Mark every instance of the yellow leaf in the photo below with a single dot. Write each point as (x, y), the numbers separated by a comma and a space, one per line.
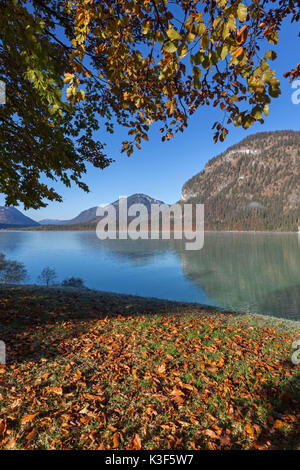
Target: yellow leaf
(242, 12)
(69, 77)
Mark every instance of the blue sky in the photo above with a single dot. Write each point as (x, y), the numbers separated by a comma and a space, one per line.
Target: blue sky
(160, 169)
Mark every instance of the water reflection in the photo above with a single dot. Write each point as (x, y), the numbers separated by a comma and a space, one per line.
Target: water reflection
(12, 241)
(140, 252)
(249, 272)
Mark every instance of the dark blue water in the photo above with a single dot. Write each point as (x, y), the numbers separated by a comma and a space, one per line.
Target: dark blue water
(257, 273)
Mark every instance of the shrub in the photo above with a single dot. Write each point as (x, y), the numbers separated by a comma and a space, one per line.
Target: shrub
(73, 282)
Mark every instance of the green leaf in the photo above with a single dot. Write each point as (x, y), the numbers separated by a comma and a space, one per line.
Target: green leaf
(173, 34)
(205, 41)
(256, 113)
(223, 52)
(190, 37)
(206, 62)
(270, 55)
(197, 58)
(274, 92)
(238, 120)
(182, 51)
(248, 121)
(225, 32)
(217, 21)
(273, 37)
(231, 23)
(197, 72)
(274, 82)
(170, 47)
(201, 28)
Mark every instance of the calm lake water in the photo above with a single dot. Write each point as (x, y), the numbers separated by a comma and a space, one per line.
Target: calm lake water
(257, 273)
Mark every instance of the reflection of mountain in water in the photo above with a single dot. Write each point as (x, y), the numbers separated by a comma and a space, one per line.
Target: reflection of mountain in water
(9, 244)
(137, 252)
(250, 272)
(258, 273)
(283, 303)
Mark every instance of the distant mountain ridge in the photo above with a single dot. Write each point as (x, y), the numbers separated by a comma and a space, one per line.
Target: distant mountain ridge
(10, 217)
(83, 217)
(50, 222)
(89, 216)
(138, 198)
(253, 185)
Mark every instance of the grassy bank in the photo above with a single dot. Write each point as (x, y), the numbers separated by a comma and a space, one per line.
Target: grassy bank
(102, 371)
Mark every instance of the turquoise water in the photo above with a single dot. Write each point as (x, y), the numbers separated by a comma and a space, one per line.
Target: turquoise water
(257, 273)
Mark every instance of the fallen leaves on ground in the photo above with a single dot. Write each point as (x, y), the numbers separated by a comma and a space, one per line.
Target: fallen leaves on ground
(95, 371)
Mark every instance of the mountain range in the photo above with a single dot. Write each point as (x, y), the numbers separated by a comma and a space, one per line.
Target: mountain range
(10, 217)
(83, 217)
(89, 216)
(253, 185)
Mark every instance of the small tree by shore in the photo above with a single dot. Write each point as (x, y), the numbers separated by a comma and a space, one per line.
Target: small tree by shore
(47, 276)
(11, 271)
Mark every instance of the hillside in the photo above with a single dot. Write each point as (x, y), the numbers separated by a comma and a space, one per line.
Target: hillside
(253, 185)
(10, 217)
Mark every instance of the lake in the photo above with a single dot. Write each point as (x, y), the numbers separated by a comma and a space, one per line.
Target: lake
(252, 272)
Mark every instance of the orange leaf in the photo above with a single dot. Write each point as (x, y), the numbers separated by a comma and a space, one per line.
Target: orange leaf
(211, 434)
(116, 440)
(161, 369)
(241, 35)
(249, 430)
(278, 424)
(136, 442)
(11, 444)
(30, 437)
(238, 52)
(28, 418)
(55, 390)
(2, 427)
(177, 394)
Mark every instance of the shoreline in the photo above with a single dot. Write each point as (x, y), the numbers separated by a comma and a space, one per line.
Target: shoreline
(173, 306)
(205, 231)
